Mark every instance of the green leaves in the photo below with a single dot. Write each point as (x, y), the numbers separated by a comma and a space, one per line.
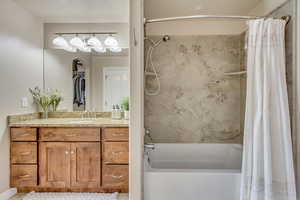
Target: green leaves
(125, 103)
(46, 99)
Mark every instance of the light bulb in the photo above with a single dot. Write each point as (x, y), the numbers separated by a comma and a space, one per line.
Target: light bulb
(99, 49)
(77, 42)
(86, 49)
(59, 41)
(94, 42)
(70, 49)
(115, 49)
(111, 41)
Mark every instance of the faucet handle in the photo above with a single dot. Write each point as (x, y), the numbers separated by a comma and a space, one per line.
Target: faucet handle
(149, 147)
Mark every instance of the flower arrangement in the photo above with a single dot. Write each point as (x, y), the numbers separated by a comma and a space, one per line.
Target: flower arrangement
(55, 99)
(46, 99)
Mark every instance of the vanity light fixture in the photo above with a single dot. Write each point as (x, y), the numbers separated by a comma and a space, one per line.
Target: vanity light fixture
(88, 43)
(94, 42)
(60, 41)
(111, 41)
(86, 49)
(77, 42)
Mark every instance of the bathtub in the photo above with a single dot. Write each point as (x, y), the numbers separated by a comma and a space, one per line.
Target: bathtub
(193, 172)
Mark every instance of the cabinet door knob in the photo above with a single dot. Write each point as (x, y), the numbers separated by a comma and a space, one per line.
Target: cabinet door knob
(66, 152)
(72, 152)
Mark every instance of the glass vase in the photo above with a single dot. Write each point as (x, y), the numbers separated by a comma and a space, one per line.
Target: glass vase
(45, 114)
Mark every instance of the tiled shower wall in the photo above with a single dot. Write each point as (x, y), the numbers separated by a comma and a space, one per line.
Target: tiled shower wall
(197, 102)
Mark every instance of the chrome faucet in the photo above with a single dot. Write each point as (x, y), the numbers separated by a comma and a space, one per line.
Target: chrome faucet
(149, 147)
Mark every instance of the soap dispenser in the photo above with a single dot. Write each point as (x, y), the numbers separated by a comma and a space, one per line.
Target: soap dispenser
(113, 112)
(118, 112)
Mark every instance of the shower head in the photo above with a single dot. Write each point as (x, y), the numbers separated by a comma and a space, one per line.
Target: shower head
(166, 38)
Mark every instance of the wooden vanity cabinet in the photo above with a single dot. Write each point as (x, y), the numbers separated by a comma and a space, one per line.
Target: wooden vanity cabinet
(69, 159)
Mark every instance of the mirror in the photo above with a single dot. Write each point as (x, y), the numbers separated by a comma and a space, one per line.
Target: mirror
(93, 77)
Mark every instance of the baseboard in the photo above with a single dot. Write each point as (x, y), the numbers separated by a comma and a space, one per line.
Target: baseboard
(6, 195)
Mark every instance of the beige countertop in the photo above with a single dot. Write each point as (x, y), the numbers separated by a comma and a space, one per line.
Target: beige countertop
(71, 122)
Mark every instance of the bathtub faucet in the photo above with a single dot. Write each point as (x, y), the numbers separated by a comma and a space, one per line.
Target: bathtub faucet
(149, 147)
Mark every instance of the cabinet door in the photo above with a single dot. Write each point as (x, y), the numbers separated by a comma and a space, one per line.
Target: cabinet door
(85, 165)
(54, 159)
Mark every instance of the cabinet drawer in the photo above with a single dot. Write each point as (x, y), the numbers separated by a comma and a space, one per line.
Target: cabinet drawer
(115, 152)
(23, 134)
(115, 134)
(24, 152)
(115, 176)
(70, 134)
(23, 175)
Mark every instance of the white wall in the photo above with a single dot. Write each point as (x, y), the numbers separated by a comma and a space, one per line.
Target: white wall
(98, 62)
(197, 27)
(266, 6)
(21, 56)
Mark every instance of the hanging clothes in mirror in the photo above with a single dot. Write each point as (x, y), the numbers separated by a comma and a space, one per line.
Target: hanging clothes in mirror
(79, 85)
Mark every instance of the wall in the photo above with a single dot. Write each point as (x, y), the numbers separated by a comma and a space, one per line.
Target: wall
(265, 7)
(197, 103)
(21, 55)
(197, 27)
(98, 62)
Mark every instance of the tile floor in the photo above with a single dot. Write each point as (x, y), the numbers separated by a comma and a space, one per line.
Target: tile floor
(122, 196)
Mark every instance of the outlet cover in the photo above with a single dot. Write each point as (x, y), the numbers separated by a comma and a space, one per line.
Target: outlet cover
(24, 102)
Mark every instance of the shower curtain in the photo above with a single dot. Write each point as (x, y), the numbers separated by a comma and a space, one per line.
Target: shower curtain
(267, 172)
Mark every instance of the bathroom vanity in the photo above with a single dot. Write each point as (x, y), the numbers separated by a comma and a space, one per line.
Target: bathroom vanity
(77, 157)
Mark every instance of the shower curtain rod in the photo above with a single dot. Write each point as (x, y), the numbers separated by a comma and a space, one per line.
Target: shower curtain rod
(149, 21)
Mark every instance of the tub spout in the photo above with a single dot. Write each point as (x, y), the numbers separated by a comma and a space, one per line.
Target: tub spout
(149, 147)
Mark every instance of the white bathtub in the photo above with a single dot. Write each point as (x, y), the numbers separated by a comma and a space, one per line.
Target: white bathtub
(193, 172)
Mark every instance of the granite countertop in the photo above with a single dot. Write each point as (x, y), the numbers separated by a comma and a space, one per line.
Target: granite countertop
(71, 122)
